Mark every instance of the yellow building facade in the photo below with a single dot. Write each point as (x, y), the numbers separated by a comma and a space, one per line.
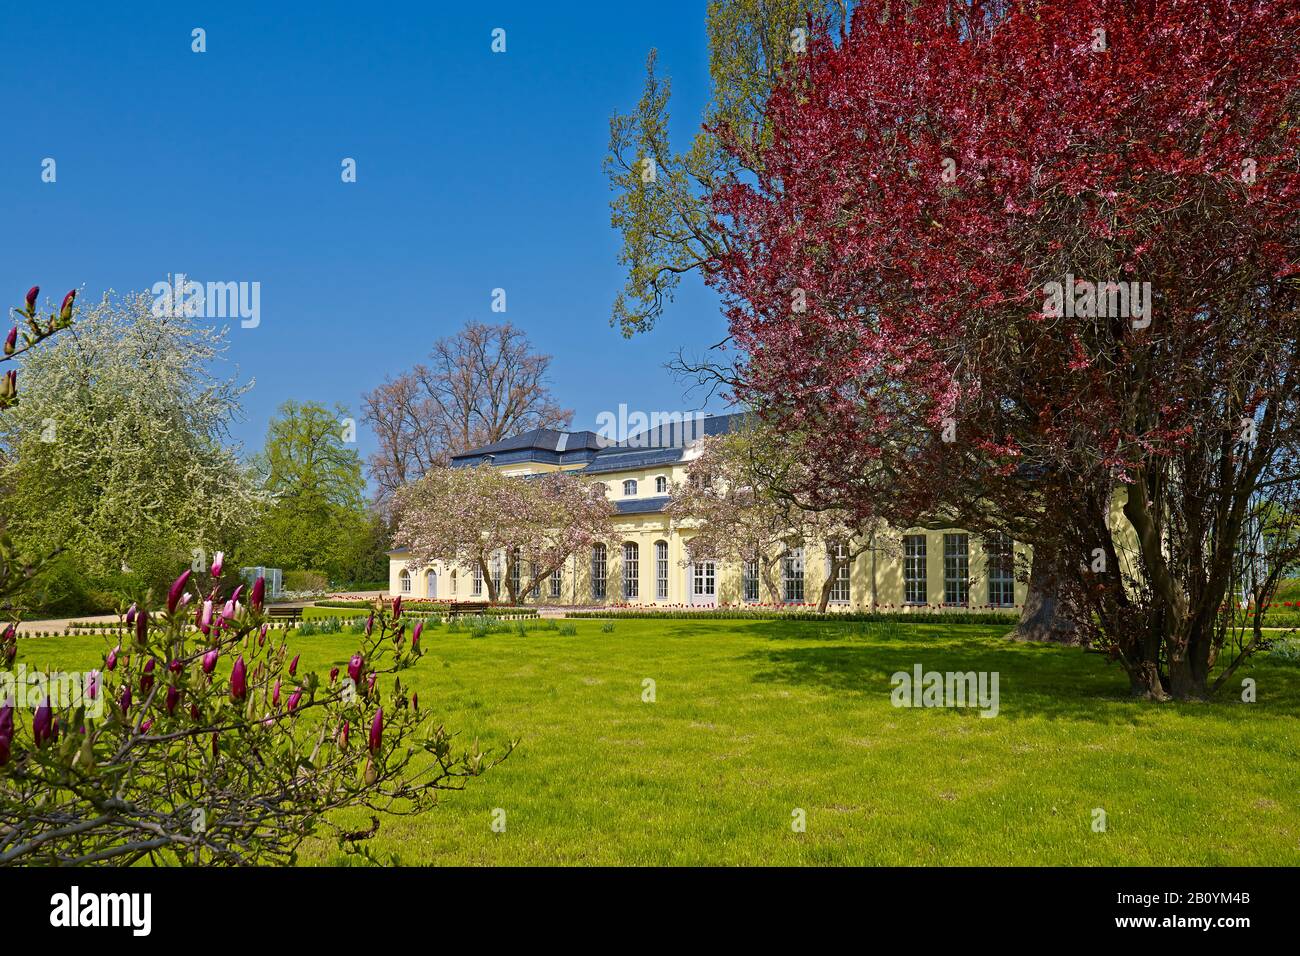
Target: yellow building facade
(647, 564)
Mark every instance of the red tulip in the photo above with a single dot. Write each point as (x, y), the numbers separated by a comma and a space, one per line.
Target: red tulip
(239, 679)
(377, 731)
(174, 592)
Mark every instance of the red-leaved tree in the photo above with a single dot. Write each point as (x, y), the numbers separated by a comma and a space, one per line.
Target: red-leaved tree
(1033, 266)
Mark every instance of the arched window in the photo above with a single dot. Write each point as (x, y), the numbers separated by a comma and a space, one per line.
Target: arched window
(661, 485)
(631, 571)
(629, 488)
(404, 581)
(598, 569)
(431, 584)
(661, 570)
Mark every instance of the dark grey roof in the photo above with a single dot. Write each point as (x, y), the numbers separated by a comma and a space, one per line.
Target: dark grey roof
(540, 444)
(642, 506)
(664, 444)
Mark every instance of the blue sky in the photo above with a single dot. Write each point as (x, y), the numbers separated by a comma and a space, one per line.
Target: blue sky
(475, 171)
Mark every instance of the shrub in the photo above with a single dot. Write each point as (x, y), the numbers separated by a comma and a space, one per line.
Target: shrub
(305, 581)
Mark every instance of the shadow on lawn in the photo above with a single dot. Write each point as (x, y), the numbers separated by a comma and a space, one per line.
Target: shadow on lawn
(1035, 680)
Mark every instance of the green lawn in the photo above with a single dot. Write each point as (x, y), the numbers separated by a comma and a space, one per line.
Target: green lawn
(755, 719)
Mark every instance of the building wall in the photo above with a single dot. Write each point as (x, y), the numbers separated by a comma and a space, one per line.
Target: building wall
(874, 578)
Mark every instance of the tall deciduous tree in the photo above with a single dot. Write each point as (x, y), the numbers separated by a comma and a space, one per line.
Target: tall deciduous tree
(1040, 269)
(479, 386)
(119, 450)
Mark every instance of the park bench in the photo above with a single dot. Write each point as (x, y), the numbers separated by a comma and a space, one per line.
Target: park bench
(466, 607)
(285, 615)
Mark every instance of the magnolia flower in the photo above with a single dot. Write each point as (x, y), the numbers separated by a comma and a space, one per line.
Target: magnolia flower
(261, 636)
(218, 560)
(334, 674)
(415, 701)
(275, 694)
(6, 733)
(209, 661)
(126, 699)
(228, 611)
(355, 667)
(343, 736)
(205, 617)
(43, 725)
(239, 679)
(173, 698)
(11, 341)
(377, 731)
(146, 726)
(130, 616)
(370, 623)
(92, 685)
(65, 311)
(415, 635)
(146, 678)
(32, 293)
(293, 665)
(258, 593)
(174, 592)
(397, 607)
(293, 699)
(142, 628)
(111, 661)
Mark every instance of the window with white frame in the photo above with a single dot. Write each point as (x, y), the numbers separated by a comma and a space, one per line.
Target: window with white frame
(631, 571)
(840, 586)
(915, 587)
(629, 488)
(404, 581)
(999, 550)
(478, 580)
(661, 485)
(792, 575)
(598, 570)
(749, 581)
(496, 575)
(661, 570)
(557, 582)
(515, 562)
(956, 569)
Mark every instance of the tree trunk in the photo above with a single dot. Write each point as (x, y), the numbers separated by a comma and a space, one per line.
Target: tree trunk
(1047, 615)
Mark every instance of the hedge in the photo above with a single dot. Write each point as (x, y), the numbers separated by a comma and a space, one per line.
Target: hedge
(419, 607)
(913, 617)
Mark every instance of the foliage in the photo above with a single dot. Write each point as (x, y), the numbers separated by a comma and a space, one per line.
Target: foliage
(889, 279)
(117, 453)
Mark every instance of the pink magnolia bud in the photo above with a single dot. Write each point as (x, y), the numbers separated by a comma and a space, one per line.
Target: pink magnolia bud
(415, 635)
(218, 560)
(173, 698)
(175, 666)
(370, 623)
(275, 694)
(239, 679)
(259, 593)
(334, 674)
(43, 723)
(92, 685)
(146, 678)
(6, 733)
(32, 293)
(415, 701)
(343, 736)
(11, 341)
(65, 311)
(146, 726)
(210, 661)
(377, 731)
(126, 699)
(111, 662)
(370, 684)
(236, 594)
(397, 607)
(205, 617)
(355, 666)
(228, 611)
(142, 628)
(293, 665)
(194, 712)
(130, 616)
(293, 700)
(174, 592)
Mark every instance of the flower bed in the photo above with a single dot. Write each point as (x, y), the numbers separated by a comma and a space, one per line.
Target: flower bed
(800, 613)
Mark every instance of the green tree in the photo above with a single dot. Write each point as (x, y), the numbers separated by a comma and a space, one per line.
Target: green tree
(318, 519)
